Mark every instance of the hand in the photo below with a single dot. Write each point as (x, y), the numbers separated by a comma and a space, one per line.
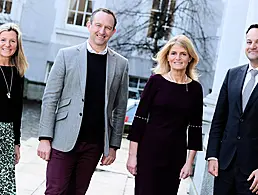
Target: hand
(131, 164)
(17, 154)
(108, 160)
(44, 149)
(213, 167)
(254, 186)
(186, 171)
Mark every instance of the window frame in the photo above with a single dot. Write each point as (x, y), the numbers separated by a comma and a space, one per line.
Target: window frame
(76, 11)
(155, 18)
(4, 7)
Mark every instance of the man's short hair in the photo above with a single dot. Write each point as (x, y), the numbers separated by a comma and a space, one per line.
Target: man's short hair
(252, 26)
(106, 11)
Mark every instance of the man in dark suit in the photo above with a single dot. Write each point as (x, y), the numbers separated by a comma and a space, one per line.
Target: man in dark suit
(83, 109)
(232, 151)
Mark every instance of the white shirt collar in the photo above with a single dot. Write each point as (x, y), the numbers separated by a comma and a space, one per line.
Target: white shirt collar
(251, 68)
(91, 50)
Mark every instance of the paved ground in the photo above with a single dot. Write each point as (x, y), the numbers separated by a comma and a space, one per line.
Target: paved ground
(30, 172)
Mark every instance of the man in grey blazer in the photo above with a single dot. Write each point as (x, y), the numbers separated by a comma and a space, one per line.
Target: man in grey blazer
(83, 109)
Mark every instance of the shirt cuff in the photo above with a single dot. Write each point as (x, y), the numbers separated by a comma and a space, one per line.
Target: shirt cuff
(212, 158)
(114, 147)
(45, 138)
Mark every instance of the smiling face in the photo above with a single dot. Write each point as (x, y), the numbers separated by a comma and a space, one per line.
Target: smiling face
(8, 43)
(251, 49)
(101, 30)
(178, 58)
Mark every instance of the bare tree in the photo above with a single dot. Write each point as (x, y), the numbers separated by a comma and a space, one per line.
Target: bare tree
(144, 27)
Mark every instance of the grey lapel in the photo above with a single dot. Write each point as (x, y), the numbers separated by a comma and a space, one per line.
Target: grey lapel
(82, 64)
(110, 72)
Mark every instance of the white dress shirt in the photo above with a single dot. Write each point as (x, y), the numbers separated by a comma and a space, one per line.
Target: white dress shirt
(91, 50)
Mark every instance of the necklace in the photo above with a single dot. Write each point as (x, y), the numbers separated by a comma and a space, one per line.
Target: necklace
(185, 81)
(9, 89)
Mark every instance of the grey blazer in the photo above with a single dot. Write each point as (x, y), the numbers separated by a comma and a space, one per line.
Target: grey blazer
(63, 99)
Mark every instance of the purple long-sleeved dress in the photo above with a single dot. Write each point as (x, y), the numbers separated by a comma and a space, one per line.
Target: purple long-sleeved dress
(173, 111)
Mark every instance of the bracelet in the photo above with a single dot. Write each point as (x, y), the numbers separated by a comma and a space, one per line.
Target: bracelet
(141, 117)
(196, 126)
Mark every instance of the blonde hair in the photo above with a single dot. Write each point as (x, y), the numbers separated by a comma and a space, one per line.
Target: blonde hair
(18, 58)
(162, 59)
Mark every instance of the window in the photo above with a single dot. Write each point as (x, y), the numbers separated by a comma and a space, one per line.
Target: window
(5, 6)
(161, 19)
(79, 12)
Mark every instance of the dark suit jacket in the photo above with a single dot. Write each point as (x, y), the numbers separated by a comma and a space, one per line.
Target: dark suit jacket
(234, 132)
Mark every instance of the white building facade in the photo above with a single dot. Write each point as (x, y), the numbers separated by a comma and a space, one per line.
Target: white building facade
(50, 25)
(237, 17)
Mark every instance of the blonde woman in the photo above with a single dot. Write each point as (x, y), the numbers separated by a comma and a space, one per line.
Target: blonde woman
(13, 65)
(171, 105)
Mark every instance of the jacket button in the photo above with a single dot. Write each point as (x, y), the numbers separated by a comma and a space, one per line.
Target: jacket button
(241, 120)
(238, 137)
(82, 100)
(80, 114)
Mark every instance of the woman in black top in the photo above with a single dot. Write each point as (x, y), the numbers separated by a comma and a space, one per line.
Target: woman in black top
(13, 65)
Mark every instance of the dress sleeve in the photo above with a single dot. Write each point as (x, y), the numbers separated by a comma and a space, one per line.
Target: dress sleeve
(195, 125)
(18, 114)
(141, 116)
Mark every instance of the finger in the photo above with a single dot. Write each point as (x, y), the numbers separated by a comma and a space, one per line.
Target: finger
(105, 160)
(255, 189)
(38, 152)
(102, 160)
(42, 155)
(16, 161)
(134, 171)
(216, 171)
(210, 169)
(181, 174)
(185, 175)
(110, 160)
(251, 176)
(131, 169)
(47, 156)
(253, 185)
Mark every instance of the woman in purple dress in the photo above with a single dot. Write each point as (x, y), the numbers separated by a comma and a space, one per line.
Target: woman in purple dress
(168, 121)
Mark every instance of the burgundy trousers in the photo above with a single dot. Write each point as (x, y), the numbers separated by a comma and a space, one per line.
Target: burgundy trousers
(69, 173)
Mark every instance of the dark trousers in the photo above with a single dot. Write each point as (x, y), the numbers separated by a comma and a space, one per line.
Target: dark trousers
(69, 173)
(232, 181)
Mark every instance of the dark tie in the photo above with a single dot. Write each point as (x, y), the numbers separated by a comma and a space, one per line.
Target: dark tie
(248, 89)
